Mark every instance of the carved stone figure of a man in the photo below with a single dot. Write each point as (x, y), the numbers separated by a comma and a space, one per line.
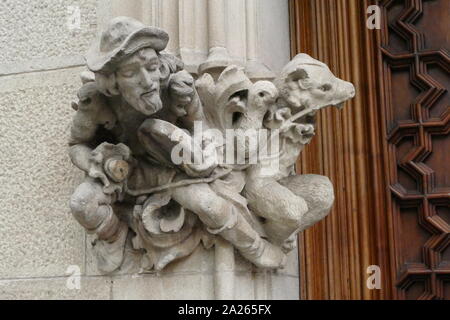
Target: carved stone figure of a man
(136, 82)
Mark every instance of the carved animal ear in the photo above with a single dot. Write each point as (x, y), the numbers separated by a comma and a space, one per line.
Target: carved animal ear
(299, 74)
(169, 65)
(170, 62)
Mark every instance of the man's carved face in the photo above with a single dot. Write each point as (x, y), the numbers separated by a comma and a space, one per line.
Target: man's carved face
(138, 78)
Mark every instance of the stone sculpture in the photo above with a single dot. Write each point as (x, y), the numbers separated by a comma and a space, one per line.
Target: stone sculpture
(135, 134)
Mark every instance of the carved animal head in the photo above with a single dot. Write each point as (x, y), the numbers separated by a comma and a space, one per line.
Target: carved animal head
(308, 83)
(92, 106)
(262, 96)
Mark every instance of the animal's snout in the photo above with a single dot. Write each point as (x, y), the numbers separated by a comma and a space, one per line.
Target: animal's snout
(345, 90)
(351, 89)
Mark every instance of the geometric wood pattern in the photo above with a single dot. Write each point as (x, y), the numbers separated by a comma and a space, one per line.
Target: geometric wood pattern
(387, 152)
(415, 79)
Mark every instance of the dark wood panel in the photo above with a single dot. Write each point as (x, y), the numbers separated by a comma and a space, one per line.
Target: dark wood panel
(416, 115)
(387, 152)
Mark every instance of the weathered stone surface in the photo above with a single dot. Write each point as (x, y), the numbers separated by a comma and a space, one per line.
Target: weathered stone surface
(266, 285)
(91, 288)
(244, 288)
(197, 286)
(38, 30)
(291, 268)
(38, 237)
(284, 287)
(274, 35)
(201, 260)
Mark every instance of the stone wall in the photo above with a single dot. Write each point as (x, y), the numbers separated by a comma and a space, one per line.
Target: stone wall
(39, 240)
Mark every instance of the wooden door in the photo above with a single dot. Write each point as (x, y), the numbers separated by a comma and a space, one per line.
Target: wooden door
(387, 152)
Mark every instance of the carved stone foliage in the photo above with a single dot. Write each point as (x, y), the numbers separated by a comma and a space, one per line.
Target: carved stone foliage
(172, 162)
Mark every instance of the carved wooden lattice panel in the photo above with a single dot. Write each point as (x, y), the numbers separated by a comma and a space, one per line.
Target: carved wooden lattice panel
(415, 80)
(386, 152)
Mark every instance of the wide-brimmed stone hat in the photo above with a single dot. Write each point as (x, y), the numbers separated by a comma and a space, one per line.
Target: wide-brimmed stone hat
(123, 37)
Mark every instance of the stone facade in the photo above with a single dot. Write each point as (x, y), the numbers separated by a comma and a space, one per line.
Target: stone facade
(41, 60)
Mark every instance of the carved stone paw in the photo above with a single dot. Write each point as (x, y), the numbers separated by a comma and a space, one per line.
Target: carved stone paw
(290, 243)
(271, 257)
